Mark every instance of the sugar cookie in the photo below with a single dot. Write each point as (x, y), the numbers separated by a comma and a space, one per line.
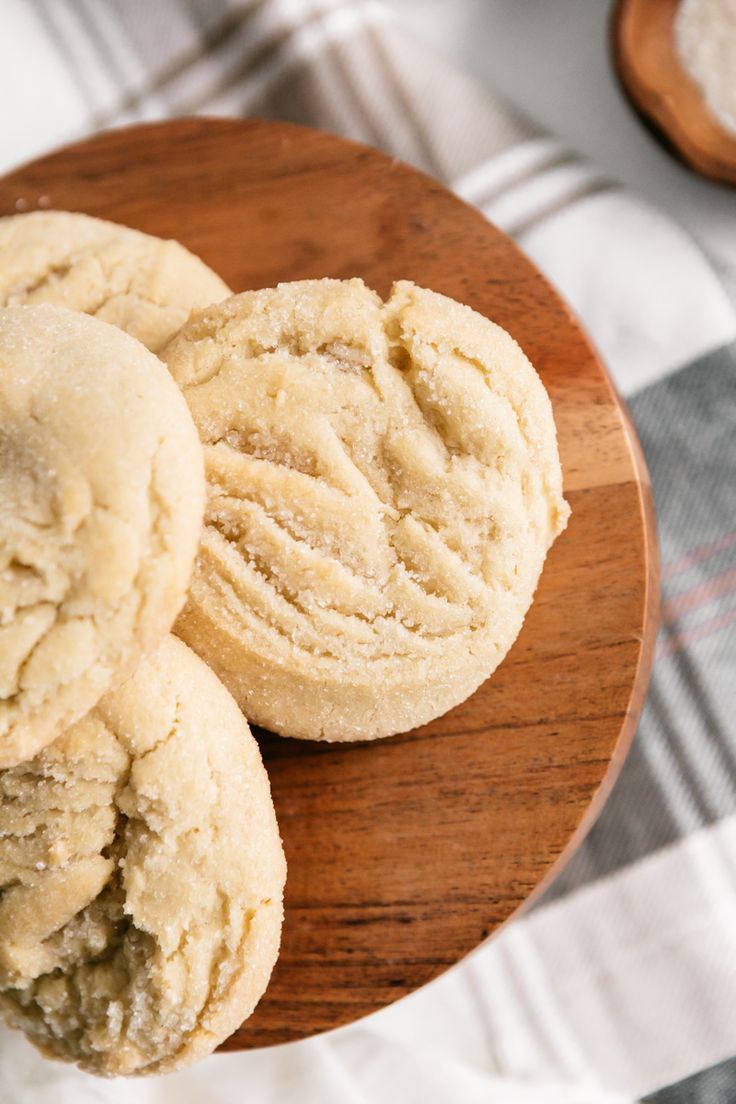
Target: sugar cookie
(139, 283)
(101, 499)
(383, 486)
(141, 876)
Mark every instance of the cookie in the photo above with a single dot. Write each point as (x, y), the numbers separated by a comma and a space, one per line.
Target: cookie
(383, 486)
(101, 500)
(141, 876)
(139, 283)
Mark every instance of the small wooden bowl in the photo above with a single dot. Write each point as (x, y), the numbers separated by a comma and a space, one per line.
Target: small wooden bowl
(661, 90)
(406, 853)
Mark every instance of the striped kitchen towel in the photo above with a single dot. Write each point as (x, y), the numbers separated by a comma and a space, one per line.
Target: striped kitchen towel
(620, 985)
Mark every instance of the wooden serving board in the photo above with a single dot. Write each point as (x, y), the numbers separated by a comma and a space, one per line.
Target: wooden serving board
(407, 853)
(662, 91)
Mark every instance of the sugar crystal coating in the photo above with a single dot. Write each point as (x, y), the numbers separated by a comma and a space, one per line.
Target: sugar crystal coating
(141, 876)
(101, 499)
(141, 284)
(383, 486)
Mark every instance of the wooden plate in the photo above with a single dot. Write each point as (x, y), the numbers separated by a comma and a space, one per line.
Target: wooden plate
(407, 853)
(662, 91)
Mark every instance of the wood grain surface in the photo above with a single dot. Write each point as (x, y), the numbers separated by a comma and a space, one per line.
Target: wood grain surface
(662, 91)
(406, 853)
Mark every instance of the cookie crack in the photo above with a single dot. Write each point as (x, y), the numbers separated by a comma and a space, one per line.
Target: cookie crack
(284, 592)
(51, 274)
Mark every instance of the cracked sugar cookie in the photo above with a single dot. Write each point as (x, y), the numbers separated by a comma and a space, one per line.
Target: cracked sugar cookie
(101, 500)
(383, 486)
(139, 283)
(141, 876)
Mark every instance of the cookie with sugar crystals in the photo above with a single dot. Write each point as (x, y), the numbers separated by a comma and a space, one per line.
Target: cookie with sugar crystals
(101, 500)
(142, 284)
(141, 876)
(383, 487)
